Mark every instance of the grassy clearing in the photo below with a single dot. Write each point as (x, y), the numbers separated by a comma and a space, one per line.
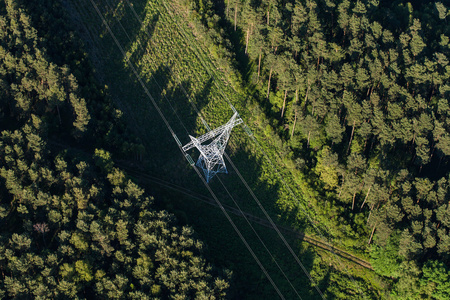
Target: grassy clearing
(170, 56)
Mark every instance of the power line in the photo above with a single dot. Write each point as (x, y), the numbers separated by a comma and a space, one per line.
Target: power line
(153, 77)
(258, 202)
(190, 193)
(246, 185)
(248, 188)
(262, 149)
(179, 144)
(238, 232)
(242, 213)
(275, 227)
(262, 242)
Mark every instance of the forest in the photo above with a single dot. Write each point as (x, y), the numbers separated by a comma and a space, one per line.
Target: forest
(72, 224)
(358, 92)
(348, 97)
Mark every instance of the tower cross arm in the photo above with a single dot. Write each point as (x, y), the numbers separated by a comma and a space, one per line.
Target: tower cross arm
(215, 132)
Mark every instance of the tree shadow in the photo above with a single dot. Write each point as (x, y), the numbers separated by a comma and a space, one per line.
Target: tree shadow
(127, 27)
(143, 35)
(203, 97)
(180, 102)
(165, 160)
(150, 28)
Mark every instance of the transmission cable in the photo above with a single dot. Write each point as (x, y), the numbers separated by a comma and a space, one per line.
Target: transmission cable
(253, 196)
(153, 77)
(265, 154)
(179, 145)
(234, 201)
(246, 185)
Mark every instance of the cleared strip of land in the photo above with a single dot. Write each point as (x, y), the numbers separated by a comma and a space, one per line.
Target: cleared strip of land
(166, 62)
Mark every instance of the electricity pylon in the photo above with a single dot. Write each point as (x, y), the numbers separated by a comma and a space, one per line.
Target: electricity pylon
(211, 155)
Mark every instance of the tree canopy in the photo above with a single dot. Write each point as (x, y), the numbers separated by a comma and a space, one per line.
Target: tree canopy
(72, 224)
(362, 88)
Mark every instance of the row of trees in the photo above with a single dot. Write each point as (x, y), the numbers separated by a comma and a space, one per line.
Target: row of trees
(359, 91)
(73, 227)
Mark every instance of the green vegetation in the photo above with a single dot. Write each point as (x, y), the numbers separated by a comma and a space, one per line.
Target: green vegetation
(74, 226)
(347, 100)
(358, 92)
(172, 65)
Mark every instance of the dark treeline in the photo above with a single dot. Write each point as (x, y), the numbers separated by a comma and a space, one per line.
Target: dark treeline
(358, 90)
(71, 224)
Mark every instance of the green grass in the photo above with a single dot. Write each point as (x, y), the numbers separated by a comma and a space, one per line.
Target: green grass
(179, 45)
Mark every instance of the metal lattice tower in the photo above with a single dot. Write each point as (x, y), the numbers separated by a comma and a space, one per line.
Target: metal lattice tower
(211, 155)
